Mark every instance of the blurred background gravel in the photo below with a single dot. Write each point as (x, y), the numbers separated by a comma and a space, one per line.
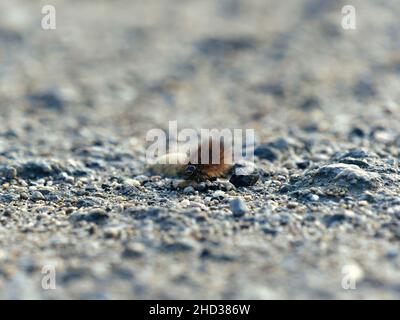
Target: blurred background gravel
(75, 106)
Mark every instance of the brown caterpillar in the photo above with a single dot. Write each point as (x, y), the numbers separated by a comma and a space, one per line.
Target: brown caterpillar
(199, 171)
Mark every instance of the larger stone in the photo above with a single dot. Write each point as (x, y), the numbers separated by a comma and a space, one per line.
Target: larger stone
(244, 175)
(348, 176)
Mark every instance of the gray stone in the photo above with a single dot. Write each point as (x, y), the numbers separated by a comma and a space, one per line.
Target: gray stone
(238, 207)
(188, 190)
(265, 151)
(244, 175)
(349, 176)
(37, 195)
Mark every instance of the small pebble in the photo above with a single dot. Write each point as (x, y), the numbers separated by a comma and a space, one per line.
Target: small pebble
(36, 196)
(188, 190)
(238, 207)
(185, 203)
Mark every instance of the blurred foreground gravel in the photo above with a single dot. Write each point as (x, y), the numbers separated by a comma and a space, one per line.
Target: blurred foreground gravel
(75, 106)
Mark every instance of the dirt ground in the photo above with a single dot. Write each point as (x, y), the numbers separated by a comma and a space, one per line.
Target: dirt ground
(76, 195)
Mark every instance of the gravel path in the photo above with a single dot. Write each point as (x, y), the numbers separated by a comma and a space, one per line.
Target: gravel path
(75, 191)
